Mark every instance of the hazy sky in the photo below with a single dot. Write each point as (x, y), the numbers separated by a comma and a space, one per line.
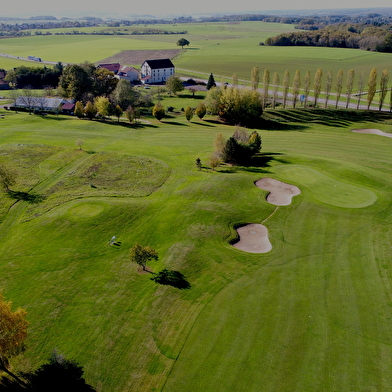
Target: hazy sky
(164, 7)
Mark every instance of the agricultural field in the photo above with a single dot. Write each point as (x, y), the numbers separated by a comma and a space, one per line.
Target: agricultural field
(137, 57)
(312, 314)
(221, 48)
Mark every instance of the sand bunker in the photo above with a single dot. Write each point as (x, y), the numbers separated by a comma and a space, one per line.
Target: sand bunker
(253, 239)
(372, 131)
(280, 193)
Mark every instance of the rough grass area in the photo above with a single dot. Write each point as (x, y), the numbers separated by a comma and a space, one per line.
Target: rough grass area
(29, 164)
(100, 175)
(137, 57)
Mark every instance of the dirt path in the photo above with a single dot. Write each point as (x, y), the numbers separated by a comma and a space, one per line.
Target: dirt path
(372, 131)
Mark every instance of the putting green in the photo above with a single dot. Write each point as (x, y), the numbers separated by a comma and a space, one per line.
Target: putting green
(327, 189)
(85, 210)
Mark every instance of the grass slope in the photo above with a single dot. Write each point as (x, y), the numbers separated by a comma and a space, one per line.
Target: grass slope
(311, 315)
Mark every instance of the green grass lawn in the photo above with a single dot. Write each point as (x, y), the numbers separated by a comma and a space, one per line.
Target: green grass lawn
(311, 315)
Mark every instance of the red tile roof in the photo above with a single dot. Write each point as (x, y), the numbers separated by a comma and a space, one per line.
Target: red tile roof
(114, 67)
(68, 106)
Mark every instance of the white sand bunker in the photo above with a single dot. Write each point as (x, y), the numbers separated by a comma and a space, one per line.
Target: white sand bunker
(280, 192)
(253, 239)
(372, 131)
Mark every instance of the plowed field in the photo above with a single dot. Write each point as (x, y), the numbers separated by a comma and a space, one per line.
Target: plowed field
(137, 57)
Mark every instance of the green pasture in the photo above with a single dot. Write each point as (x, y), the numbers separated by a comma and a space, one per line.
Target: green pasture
(221, 48)
(313, 314)
(76, 49)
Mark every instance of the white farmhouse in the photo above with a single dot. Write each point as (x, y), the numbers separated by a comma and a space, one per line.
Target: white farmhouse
(157, 71)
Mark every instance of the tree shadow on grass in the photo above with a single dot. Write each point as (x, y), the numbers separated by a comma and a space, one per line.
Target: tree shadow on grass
(174, 123)
(256, 164)
(138, 125)
(203, 124)
(171, 278)
(327, 117)
(33, 198)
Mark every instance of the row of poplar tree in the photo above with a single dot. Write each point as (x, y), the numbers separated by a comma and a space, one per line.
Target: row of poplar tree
(301, 88)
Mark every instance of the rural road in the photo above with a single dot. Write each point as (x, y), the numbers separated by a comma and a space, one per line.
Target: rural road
(31, 61)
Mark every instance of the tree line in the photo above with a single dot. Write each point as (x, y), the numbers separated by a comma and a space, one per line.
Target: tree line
(35, 77)
(355, 36)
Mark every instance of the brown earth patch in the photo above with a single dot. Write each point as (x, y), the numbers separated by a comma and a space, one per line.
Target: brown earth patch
(137, 57)
(253, 238)
(280, 192)
(142, 271)
(372, 131)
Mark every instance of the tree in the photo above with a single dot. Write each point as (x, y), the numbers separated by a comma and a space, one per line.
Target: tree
(14, 95)
(241, 135)
(124, 94)
(372, 85)
(211, 82)
(286, 83)
(306, 88)
(219, 145)
(90, 110)
(75, 82)
(13, 332)
(214, 160)
(28, 97)
(255, 142)
(183, 42)
(213, 99)
(174, 85)
(79, 143)
(158, 111)
(7, 177)
(317, 85)
(201, 110)
(189, 113)
(105, 82)
(275, 82)
(383, 87)
(142, 254)
(296, 86)
(79, 110)
(235, 80)
(255, 78)
(349, 86)
(102, 105)
(130, 114)
(360, 88)
(339, 86)
(266, 82)
(328, 87)
(240, 106)
(41, 100)
(240, 152)
(117, 111)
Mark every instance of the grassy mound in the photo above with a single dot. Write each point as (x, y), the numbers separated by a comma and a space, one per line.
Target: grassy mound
(51, 176)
